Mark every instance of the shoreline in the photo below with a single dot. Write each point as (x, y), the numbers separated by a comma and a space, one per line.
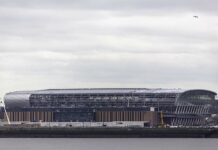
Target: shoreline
(46, 132)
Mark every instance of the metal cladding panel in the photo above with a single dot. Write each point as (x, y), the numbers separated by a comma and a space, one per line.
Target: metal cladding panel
(17, 100)
(108, 91)
(199, 91)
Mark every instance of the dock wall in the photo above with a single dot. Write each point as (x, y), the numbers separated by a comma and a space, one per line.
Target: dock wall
(108, 132)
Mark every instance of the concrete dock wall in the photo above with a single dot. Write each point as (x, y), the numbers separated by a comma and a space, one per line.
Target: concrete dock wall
(108, 132)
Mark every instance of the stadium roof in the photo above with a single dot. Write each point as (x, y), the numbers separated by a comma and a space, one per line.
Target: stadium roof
(101, 90)
(107, 91)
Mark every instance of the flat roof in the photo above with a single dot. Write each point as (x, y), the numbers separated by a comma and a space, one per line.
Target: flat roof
(108, 91)
(101, 91)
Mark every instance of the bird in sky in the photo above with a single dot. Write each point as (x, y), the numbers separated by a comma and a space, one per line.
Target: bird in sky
(195, 17)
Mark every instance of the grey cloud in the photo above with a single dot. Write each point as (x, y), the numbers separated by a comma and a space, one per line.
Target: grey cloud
(52, 34)
(72, 44)
(191, 5)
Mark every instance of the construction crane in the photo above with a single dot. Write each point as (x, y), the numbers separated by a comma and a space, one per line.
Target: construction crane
(162, 124)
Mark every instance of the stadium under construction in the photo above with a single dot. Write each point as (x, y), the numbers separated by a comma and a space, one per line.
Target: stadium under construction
(174, 107)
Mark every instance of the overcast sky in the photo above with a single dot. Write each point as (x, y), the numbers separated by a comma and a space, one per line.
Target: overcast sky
(108, 43)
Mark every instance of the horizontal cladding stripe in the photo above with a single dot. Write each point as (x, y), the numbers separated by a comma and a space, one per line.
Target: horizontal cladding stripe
(103, 91)
(79, 91)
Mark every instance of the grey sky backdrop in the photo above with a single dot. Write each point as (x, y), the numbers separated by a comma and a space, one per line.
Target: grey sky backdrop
(108, 43)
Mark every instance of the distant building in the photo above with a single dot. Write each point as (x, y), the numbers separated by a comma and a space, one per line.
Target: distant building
(176, 106)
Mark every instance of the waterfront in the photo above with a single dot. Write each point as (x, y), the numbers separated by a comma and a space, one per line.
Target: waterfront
(108, 144)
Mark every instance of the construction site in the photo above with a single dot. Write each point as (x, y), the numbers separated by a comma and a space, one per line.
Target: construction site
(147, 107)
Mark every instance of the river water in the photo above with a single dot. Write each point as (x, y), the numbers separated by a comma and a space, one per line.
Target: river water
(107, 144)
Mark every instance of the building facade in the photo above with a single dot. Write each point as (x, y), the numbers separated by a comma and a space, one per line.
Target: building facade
(177, 106)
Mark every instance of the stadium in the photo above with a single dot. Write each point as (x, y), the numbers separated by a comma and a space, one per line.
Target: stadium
(174, 107)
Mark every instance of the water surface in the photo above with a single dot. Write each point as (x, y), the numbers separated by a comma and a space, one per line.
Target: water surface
(108, 144)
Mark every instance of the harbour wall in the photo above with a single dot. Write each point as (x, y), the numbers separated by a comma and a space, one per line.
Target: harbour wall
(104, 132)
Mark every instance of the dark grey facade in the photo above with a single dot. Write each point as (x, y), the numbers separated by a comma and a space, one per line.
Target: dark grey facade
(179, 107)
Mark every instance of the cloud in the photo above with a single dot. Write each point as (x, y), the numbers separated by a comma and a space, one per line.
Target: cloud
(141, 43)
(166, 5)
